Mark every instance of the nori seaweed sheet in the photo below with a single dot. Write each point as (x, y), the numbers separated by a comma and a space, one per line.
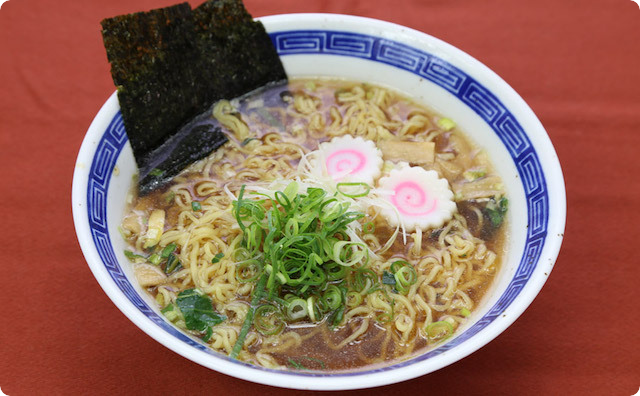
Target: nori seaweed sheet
(170, 66)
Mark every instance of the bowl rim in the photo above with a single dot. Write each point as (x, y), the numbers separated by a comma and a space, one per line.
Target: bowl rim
(370, 378)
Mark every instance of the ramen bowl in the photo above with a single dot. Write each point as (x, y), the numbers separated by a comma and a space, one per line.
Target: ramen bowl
(422, 67)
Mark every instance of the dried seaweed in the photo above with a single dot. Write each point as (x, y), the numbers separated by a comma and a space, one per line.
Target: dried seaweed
(170, 65)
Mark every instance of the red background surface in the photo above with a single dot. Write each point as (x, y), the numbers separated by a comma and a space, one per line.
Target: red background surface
(577, 63)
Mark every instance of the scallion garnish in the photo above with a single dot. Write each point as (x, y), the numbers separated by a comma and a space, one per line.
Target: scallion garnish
(268, 320)
(196, 206)
(166, 252)
(405, 275)
(155, 259)
(332, 297)
(368, 227)
(353, 299)
(248, 270)
(258, 293)
(353, 190)
(300, 237)
(173, 264)
(439, 331)
(364, 280)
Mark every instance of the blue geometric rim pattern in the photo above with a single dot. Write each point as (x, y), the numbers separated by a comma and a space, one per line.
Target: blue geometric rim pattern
(376, 49)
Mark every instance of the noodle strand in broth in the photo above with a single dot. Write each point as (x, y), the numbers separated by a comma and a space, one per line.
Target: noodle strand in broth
(406, 291)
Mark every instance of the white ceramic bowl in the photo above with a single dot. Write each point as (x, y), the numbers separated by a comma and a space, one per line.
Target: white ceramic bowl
(431, 71)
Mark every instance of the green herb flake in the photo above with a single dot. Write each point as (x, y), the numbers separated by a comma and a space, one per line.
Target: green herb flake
(197, 310)
(196, 206)
(497, 212)
(388, 278)
(217, 258)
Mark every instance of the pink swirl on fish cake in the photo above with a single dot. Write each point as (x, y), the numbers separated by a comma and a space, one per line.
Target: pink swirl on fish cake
(411, 199)
(345, 162)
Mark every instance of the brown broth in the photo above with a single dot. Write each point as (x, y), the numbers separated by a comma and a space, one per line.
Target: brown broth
(317, 351)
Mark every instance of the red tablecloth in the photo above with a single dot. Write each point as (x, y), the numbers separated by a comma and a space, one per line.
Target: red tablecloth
(577, 63)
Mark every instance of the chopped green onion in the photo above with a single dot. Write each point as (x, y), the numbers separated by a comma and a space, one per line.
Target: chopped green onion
(299, 243)
(335, 271)
(196, 206)
(248, 271)
(364, 279)
(268, 320)
(465, 312)
(368, 227)
(291, 190)
(154, 259)
(384, 317)
(166, 252)
(258, 292)
(405, 275)
(311, 308)
(297, 309)
(362, 189)
(156, 172)
(348, 253)
(173, 264)
(337, 316)
(439, 331)
(353, 299)
(332, 297)
(241, 254)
